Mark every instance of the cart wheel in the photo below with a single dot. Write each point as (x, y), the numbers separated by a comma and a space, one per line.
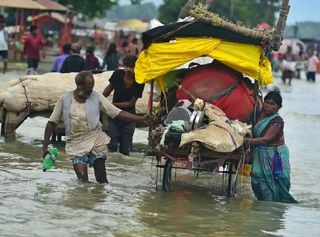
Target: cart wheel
(166, 180)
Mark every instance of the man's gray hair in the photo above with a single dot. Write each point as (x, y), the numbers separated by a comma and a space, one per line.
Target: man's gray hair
(81, 77)
(75, 48)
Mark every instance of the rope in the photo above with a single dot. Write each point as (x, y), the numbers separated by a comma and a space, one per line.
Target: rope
(26, 95)
(166, 102)
(161, 37)
(223, 93)
(180, 87)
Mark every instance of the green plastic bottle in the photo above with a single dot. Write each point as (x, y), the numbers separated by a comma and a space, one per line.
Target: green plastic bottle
(48, 161)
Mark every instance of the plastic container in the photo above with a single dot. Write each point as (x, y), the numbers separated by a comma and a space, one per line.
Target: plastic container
(49, 160)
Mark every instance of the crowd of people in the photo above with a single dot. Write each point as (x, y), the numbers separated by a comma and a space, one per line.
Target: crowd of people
(292, 63)
(33, 51)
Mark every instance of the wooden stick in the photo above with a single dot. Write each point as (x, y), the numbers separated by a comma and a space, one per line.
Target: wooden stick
(277, 35)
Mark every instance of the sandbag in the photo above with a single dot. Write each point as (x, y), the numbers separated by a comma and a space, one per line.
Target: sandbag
(217, 136)
(41, 92)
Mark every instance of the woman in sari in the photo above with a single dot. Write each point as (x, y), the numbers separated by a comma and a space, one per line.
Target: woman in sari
(270, 178)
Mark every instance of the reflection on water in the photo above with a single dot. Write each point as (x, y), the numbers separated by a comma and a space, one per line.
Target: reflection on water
(34, 203)
(86, 196)
(196, 212)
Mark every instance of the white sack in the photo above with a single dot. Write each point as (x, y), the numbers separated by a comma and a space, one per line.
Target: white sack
(42, 91)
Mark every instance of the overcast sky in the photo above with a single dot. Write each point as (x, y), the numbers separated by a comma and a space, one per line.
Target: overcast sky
(301, 10)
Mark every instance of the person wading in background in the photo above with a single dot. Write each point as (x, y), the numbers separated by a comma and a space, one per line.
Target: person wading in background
(312, 67)
(4, 38)
(32, 47)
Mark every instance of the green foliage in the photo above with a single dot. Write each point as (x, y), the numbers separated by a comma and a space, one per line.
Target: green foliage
(136, 2)
(90, 8)
(170, 10)
(146, 11)
(249, 12)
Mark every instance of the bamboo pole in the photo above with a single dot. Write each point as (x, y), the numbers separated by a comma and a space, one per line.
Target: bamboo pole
(277, 35)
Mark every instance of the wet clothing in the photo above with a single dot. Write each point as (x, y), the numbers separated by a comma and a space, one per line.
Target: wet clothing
(89, 159)
(268, 181)
(81, 140)
(73, 63)
(121, 132)
(57, 64)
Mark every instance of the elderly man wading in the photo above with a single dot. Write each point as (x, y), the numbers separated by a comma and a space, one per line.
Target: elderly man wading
(86, 143)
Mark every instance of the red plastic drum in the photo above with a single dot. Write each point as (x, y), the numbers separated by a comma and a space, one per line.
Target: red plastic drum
(207, 81)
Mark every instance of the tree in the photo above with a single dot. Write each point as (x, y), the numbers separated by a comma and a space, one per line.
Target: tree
(90, 8)
(136, 2)
(170, 10)
(250, 12)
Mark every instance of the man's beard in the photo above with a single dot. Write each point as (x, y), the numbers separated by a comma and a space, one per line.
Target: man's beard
(85, 94)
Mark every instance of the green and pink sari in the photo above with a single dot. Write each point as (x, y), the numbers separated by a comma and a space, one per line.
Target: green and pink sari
(270, 178)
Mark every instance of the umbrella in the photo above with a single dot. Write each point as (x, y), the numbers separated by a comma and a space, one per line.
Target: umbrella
(133, 24)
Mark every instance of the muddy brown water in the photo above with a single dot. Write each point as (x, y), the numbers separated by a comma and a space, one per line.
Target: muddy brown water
(34, 203)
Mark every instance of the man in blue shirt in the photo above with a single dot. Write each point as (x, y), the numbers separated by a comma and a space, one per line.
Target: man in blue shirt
(57, 64)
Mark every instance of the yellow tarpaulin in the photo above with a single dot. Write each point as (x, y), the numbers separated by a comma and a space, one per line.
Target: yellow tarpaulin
(160, 58)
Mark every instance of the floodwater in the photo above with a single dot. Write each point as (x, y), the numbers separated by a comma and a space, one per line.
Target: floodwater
(34, 203)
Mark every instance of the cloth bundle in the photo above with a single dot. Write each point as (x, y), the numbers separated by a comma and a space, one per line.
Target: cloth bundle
(221, 134)
(40, 92)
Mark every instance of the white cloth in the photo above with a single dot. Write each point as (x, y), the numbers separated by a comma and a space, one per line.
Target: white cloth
(3, 42)
(288, 65)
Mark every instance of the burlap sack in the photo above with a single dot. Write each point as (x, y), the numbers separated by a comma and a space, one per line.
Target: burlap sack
(41, 92)
(221, 135)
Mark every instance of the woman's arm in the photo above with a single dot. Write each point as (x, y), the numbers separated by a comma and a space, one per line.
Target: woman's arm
(267, 138)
